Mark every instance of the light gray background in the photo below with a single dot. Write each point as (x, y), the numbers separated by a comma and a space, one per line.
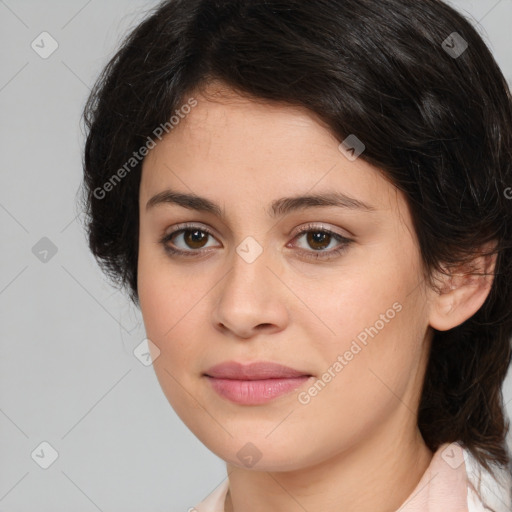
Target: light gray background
(67, 372)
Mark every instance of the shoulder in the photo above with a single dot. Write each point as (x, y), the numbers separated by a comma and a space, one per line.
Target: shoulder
(214, 502)
(486, 492)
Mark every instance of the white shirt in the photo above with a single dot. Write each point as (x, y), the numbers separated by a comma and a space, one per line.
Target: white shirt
(453, 482)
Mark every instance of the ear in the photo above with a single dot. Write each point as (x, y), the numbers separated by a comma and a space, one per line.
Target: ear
(462, 293)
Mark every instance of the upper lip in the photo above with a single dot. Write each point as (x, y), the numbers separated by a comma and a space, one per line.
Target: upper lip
(253, 371)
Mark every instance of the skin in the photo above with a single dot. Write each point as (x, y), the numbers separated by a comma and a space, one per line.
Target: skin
(356, 444)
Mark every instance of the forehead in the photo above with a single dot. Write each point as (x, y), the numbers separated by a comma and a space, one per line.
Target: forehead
(230, 119)
(231, 146)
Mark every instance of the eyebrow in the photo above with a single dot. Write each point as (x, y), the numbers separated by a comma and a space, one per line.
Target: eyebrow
(278, 207)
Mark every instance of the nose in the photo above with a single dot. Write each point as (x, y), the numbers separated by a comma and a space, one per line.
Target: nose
(250, 299)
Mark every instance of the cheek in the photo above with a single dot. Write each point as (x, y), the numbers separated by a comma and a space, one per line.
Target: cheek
(348, 306)
(375, 328)
(164, 306)
(171, 307)
(158, 295)
(159, 290)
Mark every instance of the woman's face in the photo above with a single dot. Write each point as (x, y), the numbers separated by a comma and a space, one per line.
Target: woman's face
(271, 284)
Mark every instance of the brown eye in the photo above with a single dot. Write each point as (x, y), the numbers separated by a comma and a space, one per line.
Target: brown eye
(195, 238)
(318, 243)
(317, 239)
(188, 241)
(192, 241)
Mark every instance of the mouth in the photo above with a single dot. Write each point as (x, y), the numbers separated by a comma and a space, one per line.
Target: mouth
(260, 370)
(256, 383)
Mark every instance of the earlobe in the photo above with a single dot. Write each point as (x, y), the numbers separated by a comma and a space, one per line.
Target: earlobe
(462, 294)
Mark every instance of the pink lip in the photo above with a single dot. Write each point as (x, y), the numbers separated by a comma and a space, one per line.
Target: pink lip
(255, 383)
(253, 371)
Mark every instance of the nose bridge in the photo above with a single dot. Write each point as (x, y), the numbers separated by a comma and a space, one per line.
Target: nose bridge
(247, 298)
(249, 264)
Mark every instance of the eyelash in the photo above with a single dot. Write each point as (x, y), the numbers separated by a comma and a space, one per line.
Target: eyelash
(314, 255)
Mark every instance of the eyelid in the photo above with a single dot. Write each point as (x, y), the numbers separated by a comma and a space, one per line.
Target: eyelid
(207, 229)
(319, 226)
(343, 241)
(322, 256)
(189, 226)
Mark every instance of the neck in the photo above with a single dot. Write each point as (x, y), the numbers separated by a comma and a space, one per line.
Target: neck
(377, 476)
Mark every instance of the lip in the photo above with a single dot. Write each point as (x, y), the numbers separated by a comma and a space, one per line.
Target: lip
(259, 370)
(254, 383)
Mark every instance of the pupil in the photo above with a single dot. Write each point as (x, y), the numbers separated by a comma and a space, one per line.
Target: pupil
(196, 237)
(317, 238)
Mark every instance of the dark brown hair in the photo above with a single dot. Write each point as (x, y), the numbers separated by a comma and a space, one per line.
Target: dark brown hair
(438, 124)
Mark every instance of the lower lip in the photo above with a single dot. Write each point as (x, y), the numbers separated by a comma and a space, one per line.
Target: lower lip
(254, 392)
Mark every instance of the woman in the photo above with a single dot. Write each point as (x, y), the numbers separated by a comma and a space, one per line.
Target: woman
(308, 202)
